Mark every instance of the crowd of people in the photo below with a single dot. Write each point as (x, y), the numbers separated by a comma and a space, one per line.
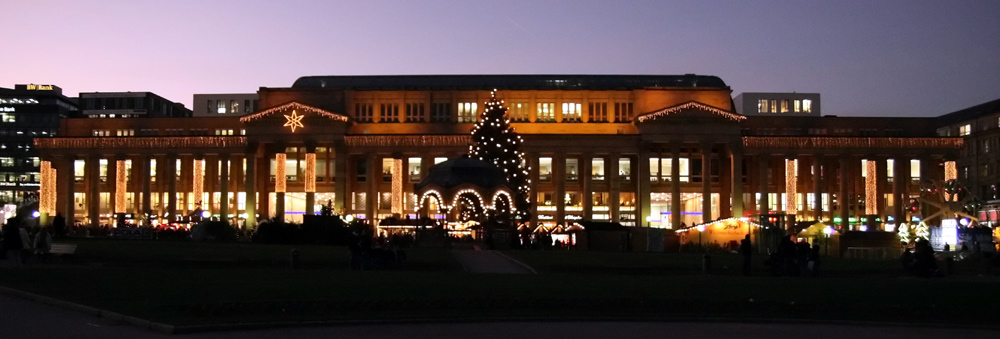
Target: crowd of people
(795, 259)
(22, 243)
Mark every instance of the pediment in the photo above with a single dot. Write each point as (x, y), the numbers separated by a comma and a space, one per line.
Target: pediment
(690, 109)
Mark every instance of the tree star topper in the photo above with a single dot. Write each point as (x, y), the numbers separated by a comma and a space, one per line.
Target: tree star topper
(294, 121)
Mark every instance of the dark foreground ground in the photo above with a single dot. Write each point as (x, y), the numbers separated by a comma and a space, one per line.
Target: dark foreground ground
(196, 285)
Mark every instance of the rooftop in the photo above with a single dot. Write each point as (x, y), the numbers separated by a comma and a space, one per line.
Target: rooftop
(508, 82)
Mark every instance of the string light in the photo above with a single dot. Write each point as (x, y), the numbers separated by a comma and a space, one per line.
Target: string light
(405, 140)
(871, 191)
(437, 197)
(121, 180)
(310, 184)
(294, 121)
(142, 142)
(791, 185)
(495, 141)
(279, 172)
(851, 142)
(293, 106)
(397, 186)
(198, 181)
(46, 203)
(688, 106)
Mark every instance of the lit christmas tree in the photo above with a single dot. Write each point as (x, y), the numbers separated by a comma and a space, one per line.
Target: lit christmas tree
(493, 140)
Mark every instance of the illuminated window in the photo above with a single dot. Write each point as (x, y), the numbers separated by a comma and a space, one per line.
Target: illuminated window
(152, 170)
(102, 169)
(798, 106)
(415, 112)
(625, 169)
(467, 112)
(387, 169)
(221, 107)
(518, 112)
(413, 166)
(964, 130)
(363, 112)
(654, 169)
(440, 112)
(546, 112)
(388, 113)
(571, 112)
(784, 106)
(597, 169)
(79, 169)
(915, 170)
(359, 201)
(234, 106)
(623, 111)
(544, 169)
(762, 106)
(807, 106)
(598, 112)
(889, 170)
(572, 169)
(774, 106)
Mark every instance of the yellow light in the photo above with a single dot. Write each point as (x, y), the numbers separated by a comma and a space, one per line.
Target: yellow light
(121, 180)
(791, 183)
(279, 173)
(871, 192)
(950, 171)
(198, 181)
(45, 202)
(397, 186)
(310, 172)
(293, 121)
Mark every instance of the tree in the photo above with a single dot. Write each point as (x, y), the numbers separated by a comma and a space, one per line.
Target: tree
(494, 140)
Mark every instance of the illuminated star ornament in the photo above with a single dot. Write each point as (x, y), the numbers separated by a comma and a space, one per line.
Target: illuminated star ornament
(294, 121)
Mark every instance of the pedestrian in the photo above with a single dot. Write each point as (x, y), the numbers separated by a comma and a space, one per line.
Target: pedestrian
(746, 250)
(814, 259)
(43, 243)
(786, 255)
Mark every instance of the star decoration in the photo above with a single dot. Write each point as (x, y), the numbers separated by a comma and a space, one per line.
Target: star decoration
(294, 121)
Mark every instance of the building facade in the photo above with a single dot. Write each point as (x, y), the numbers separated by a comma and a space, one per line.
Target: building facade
(791, 104)
(216, 105)
(129, 105)
(661, 151)
(27, 112)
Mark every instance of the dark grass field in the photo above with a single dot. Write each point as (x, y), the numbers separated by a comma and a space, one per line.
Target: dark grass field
(185, 283)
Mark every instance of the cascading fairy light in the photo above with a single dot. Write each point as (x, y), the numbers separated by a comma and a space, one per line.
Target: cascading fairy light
(310, 173)
(121, 180)
(791, 183)
(871, 188)
(494, 140)
(198, 182)
(279, 172)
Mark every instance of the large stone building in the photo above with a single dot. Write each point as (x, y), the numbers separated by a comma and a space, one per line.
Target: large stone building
(27, 111)
(643, 150)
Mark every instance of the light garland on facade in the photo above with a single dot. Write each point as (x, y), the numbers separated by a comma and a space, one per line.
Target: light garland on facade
(871, 188)
(720, 221)
(791, 185)
(437, 196)
(279, 172)
(294, 121)
(293, 106)
(405, 140)
(121, 180)
(458, 195)
(690, 105)
(851, 142)
(510, 201)
(46, 201)
(310, 183)
(172, 143)
(198, 182)
(397, 186)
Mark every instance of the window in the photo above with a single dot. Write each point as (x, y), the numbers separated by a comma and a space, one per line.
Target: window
(807, 106)
(625, 169)
(440, 112)
(363, 112)
(597, 169)
(518, 112)
(387, 169)
(572, 169)
(413, 165)
(362, 170)
(784, 106)
(774, 106)
(439, 160)
(210, 106)
(546, 112)
(388, 113)
(246, 106)
(79, 170)
(915, 170)
(598, 112)
(762, 106)
(8, 117)
(571, 112)
(221, 107)
(234, 106)
(623, 111)
(654, 170)
(798, 106)
(889, 170)
(415, 112)
(467, 112)
(544, 169)
(964, 130)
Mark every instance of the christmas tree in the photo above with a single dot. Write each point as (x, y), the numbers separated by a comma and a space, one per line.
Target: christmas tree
(493, 140)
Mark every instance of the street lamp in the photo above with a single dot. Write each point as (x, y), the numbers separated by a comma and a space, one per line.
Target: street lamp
(701, 229)
(828, 231)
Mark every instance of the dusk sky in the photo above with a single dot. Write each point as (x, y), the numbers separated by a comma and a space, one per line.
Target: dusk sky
(887, 58)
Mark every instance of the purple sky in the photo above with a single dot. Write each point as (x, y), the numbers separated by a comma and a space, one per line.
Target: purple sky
(895, 58)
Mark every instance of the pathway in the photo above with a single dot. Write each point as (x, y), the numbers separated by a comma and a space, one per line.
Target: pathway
(477, 260)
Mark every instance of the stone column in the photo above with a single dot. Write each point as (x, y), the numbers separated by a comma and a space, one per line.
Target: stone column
(280, 182)
(764, 171)
(881, 172)
(612, 175)
(113, 188)
(533, 193)
(171, 187)
(93, 174)
(224, 187)
(643, 185)
(675, 184)
(374, 178)
(706, 182)
(341, 195)
(559, 177)
(736, 180)
(250, 190)
(310, 181)
(844, 196)
(818, 186)
(586, 172)
(67, 187)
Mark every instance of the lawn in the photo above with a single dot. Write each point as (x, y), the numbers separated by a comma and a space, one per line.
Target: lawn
(196, 284)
